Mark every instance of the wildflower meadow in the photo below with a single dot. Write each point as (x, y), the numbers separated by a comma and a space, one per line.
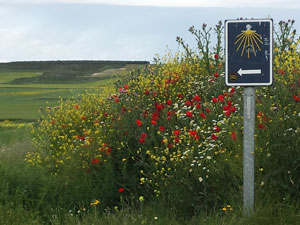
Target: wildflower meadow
(169, 136)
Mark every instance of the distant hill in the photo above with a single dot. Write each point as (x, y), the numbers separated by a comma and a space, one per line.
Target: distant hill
(65, 71)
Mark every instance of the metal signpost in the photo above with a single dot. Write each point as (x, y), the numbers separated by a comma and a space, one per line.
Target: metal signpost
(248, 53)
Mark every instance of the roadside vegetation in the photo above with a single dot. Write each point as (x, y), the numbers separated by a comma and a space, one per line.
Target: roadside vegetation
(162, 145)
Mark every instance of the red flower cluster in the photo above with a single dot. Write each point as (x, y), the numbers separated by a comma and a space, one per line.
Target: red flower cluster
(189, 114)
(233, 136)
(216, 128)
(106, 149)
(281, 71)
(229, 108)
(214, 137)
(196, 99)
(95, 161)
(143, 137)
(203, 115)
(296, 98)
(139, 123)
(176, 132)
(220, 98)
(120, 190)
(188, 103)
(261, 126)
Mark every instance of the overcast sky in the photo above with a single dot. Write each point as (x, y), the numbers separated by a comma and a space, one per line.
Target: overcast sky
(117, 29)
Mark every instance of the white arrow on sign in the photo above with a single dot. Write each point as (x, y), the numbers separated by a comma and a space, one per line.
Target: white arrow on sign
(242, 72)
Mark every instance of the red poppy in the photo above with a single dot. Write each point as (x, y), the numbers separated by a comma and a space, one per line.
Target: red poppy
(162, 128)
(176, 140)
(214, 99)
(82, 138)
(203, 115)
(76, 106)
(126, 86)
(189, 114)
(192, 132)
(198, 106)
(169, 102)
(216, 128)
(179, 95)
(228, 113)
(231, 92)
(233, 136)
(281, 71)
(117, 100)
(143, 135)
(52, 122)
(142, 140)
(94, 161)
(261, 126)
(233, 109)
(146, 92)
(139, 123)
(176, 132)
(207, 110)
(159, 107)
(214, 137)
(108, 150)
(221, 98)
(120, 190)
(216, 56)
(155, 116)
(188, 103)
(216, 74)
(196, 99)
(296, 98)
(154, 122)
(196, 137)
(83, 118)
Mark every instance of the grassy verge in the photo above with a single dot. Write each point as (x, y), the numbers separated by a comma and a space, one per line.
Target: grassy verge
(29, 195)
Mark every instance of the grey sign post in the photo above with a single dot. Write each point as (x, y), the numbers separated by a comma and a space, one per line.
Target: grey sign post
(249, 63)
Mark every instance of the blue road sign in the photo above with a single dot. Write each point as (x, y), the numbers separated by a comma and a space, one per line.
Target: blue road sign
(248, 52)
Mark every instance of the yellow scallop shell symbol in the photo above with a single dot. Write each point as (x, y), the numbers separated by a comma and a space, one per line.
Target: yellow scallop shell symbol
(248, 41)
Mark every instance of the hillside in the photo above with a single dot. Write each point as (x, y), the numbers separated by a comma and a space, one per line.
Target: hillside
(25, 87)
(63, 71)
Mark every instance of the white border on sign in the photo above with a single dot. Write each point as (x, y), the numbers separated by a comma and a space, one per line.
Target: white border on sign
(271, 52)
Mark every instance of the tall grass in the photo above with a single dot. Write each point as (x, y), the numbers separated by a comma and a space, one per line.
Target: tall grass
(29, 195)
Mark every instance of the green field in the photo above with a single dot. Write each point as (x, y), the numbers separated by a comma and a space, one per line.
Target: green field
(26, 87)
(24, 103)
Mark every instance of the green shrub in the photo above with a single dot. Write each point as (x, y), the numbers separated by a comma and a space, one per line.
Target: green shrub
(173, 132)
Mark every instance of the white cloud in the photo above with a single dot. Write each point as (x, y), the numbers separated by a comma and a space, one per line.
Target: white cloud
(177, 3)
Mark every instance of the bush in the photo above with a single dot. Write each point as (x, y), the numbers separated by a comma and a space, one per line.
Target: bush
(173, 132)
